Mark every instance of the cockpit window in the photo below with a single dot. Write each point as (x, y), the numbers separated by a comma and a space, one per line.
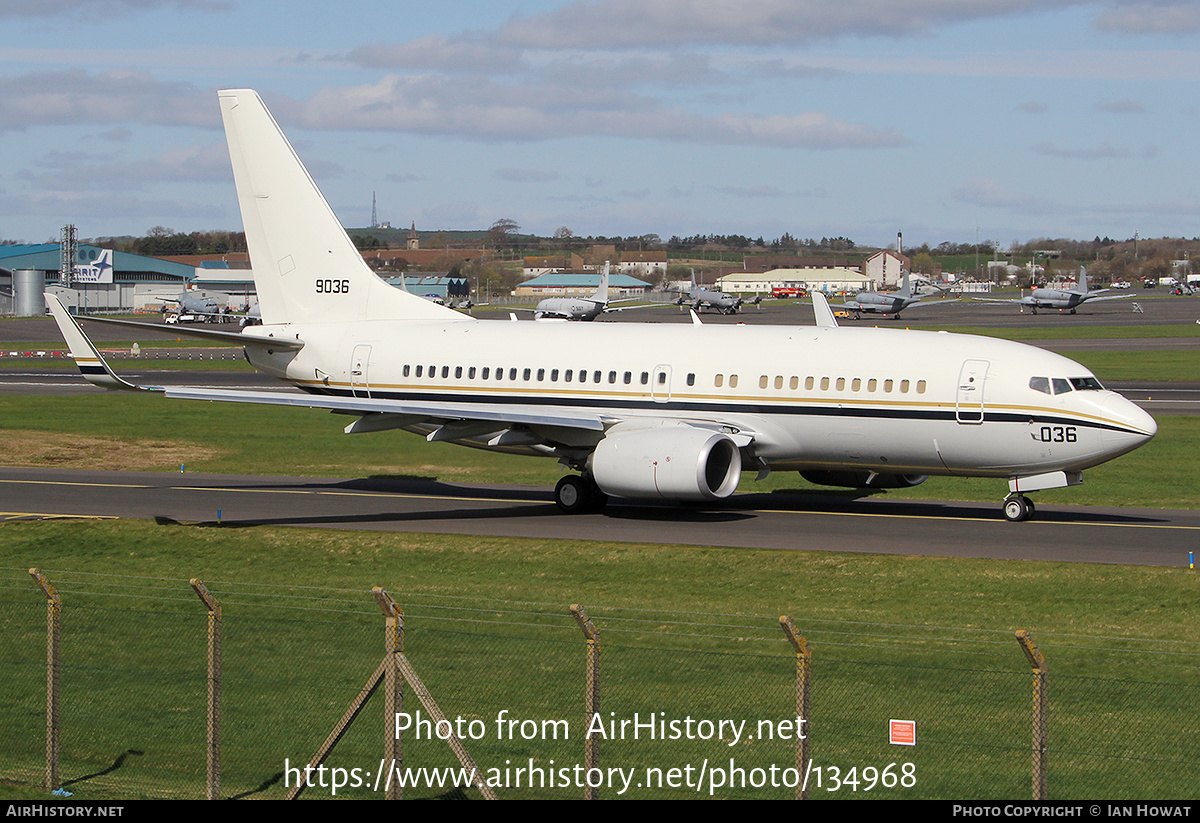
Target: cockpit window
(1061, 385)
(1086, 384)
(1041, 384)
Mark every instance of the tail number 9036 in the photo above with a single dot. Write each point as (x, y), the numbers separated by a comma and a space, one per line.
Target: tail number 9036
(333, 287)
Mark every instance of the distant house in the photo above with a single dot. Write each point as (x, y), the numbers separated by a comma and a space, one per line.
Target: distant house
(648, 264)
(887, 267)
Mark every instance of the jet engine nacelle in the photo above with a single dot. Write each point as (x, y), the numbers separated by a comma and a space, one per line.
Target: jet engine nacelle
(864, 480)
(673, 462)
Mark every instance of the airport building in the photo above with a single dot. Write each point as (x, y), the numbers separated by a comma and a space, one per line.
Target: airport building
(564, 284)
(826, 279)
(433, 284)
(135, 283)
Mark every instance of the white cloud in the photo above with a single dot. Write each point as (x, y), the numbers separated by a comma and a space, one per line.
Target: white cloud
(1151, 18)
(75, 171)
(102, 9)
(1104, 151)
(654, 23)
(75, 97)
(485, 110)
(525, 175)
(1122, 106)
(748, 191)
(988, 193)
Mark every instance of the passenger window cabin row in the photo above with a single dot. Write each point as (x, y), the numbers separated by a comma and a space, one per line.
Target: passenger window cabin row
(537, 375)
(613, 377)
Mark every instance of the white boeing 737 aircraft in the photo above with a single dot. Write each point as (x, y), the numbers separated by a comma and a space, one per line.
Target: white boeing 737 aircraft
(652, 411)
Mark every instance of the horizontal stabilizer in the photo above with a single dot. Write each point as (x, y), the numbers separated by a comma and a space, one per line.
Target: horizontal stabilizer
(233, 338)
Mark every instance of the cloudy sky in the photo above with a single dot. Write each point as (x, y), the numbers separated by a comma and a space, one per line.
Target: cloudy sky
(945, 119)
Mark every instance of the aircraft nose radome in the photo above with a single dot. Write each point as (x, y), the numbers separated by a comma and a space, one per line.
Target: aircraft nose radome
(1128, 413)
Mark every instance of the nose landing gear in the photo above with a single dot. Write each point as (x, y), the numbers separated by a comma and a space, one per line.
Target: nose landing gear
(1017, 508)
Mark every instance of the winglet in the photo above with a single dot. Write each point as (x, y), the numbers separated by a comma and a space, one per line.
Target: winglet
(824, 314)
(87, 358)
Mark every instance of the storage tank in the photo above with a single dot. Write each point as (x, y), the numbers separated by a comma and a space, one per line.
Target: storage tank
(28, 293)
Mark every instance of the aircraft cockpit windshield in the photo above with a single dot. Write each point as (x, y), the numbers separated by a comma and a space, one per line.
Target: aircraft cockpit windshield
(1062, 385)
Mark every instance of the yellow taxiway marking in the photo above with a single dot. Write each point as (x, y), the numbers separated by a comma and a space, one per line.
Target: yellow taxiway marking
(6, 516)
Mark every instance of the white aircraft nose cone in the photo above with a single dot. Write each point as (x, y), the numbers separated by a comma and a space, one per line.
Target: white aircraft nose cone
(1137, 426)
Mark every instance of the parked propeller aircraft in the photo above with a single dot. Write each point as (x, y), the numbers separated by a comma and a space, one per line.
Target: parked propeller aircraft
(701, 298)
(886, 303)
(654, 411)
(1060, 299)
(194, 309)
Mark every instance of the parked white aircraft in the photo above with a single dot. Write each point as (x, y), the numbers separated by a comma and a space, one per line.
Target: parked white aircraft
(656, 411)
(701, 298)
(576, 308)
(1059, 298)
(886, 303)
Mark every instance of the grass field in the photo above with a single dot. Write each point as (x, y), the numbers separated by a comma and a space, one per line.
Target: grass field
(685, 632)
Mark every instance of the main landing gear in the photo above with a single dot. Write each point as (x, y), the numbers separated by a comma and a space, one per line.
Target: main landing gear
(577, 495)
(1017, 508)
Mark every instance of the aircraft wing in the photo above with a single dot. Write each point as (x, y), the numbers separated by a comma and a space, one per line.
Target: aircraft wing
(419, 410)
(97, 371)
(1110, 297)
(1023, 300)
(612, 308)
(931, 303)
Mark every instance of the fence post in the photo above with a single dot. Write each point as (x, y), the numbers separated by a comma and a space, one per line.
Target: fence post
(393, 693)
(53, 613)
(803, 688)
(1041, 709)
(213, 790)
(591, 758)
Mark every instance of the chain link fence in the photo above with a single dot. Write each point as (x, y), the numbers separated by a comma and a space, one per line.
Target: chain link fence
(685, 705)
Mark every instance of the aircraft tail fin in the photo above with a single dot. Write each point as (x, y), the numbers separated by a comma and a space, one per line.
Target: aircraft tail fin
(822, 312)
(306, 269)
(601, 295)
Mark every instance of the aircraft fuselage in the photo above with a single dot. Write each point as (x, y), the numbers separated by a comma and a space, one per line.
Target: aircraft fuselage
(876, 400)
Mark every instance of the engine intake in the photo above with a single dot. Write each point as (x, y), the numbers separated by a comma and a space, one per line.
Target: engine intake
(673, 462)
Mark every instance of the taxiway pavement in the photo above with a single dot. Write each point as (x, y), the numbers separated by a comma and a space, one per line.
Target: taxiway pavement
(832, 521)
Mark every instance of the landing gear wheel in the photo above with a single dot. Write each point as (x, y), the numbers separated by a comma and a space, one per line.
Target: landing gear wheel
(571, 495)
(1017, 508)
